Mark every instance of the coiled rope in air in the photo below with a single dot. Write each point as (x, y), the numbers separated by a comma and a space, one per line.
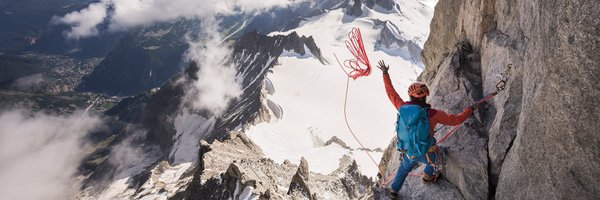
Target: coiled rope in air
(357, 48)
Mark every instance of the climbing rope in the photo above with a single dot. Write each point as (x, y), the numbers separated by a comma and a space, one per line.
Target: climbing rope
(500, 86)
(350, 129)
(357, 49)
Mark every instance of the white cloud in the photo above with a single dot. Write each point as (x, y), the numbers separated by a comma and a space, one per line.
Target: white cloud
(217, 84)
(132, 156)
(125, 14)
(28, 82)
(84, 23)
(40, 153)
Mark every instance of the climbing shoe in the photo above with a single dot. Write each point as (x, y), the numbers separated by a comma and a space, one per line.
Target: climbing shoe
(393, 195)
(430, 179)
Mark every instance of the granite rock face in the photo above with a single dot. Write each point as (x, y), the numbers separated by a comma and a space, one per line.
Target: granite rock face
(465, 174)
(538, 138)
(385, 4)
(466, 160)
(298, 186)
(354, 9)
(390, 40)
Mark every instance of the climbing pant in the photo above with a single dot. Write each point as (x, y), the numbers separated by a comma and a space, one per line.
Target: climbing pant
(408, 163)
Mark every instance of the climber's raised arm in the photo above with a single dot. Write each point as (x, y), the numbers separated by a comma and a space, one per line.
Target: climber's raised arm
(389, 88)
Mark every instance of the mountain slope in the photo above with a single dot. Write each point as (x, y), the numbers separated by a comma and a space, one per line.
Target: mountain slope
(146, 57)
(171, 126)
(309, 96)
(174, 127)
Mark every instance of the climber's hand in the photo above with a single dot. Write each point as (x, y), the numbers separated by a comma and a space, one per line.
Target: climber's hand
(384, 68)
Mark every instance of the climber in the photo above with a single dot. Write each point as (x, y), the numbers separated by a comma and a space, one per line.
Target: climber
(415, 147)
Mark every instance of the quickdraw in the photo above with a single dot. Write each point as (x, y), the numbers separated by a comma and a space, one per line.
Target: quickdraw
(501, 85)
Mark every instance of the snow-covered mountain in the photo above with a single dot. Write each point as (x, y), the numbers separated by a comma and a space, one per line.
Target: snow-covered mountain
(311, 95)
(245, 99)
(291, 107)
(173, 129)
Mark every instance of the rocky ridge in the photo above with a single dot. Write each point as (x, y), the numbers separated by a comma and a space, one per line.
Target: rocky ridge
(355, 8)
(237, 169)
(390, 40)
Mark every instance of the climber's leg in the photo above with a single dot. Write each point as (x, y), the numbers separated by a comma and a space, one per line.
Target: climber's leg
(403, 170)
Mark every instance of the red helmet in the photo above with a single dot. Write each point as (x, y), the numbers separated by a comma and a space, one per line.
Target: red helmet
(418, 90)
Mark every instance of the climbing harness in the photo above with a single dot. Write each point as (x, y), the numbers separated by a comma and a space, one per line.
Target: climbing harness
(437, 165)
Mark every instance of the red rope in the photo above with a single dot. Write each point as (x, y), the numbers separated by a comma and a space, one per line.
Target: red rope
(456, 127)
(384, 181)
(338, 61)
(448, 134)
(352, 132)
(357, 48)
(485, 99)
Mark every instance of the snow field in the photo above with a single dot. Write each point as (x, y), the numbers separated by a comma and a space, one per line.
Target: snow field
(312, 94)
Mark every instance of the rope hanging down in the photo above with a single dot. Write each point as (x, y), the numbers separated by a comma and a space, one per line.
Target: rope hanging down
(357, 49)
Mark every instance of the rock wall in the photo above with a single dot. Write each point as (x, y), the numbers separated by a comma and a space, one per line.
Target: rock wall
(539, 138)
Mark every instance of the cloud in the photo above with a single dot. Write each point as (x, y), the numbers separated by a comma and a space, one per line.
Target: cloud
(124, 14)
(40, 153)
(217, 83)
(84, 23)
(131, 156)
(28, 82)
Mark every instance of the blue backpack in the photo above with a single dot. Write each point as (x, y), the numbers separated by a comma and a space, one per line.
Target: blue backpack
(412, 129)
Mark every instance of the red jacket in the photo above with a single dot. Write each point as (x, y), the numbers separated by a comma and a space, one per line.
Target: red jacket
(435, 116)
